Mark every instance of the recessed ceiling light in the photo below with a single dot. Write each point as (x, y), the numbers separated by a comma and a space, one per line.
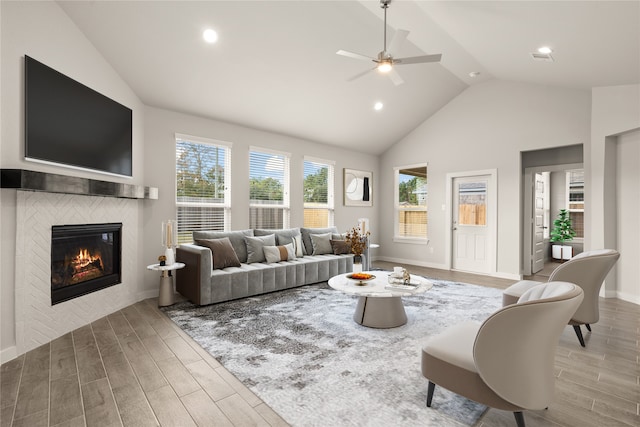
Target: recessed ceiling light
(210, 36)
(545, 50)
(378, 106)
(474, 74)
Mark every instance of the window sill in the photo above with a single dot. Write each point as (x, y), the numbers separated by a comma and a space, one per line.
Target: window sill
(411, 240)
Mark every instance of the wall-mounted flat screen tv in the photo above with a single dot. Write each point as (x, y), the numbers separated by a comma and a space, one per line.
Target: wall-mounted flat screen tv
(70, 124)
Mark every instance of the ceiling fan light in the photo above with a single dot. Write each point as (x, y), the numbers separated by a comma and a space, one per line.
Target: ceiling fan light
(384, 67)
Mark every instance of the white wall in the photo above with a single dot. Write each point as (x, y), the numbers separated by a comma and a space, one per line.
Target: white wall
(43, 31)
(615, 110)
(485, 127)
(160, 129)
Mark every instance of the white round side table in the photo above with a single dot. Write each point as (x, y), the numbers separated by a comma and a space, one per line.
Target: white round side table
(166, 282)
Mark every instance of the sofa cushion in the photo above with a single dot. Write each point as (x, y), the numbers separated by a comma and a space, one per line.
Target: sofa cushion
(255, 245)
(236, 238)
(223, 253)
(340, 247)
(279, 253)
(307, 245)
(283, 236)
(321, 244)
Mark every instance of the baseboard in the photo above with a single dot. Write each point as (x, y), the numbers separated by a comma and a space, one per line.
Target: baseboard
(153, 293)
(635, 299)
(498, 275)
(412, 262)
(8, 354)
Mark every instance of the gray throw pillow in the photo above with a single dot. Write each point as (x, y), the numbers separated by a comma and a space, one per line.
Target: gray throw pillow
(255, 247)
(307, 246)
(321, 244)
(340, 247)
(279, 253)
(223, 254)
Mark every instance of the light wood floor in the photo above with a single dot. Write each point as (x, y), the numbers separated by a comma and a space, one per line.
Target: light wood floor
(136, 368)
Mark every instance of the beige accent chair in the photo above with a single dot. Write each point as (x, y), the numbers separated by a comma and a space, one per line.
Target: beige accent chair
(587, 270)
(507, 361)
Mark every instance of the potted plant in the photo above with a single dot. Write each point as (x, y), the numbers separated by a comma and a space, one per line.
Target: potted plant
(358, 242)
(562, 232)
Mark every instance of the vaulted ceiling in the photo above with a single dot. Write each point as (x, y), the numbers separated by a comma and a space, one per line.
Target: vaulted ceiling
(275, 66)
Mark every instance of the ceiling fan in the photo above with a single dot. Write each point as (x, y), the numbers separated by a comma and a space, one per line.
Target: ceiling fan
(385, 60)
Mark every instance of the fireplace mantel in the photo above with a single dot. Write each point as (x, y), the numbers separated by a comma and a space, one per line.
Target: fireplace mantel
(22, 179)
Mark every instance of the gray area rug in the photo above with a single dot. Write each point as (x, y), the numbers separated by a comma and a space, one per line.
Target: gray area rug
(301, 352)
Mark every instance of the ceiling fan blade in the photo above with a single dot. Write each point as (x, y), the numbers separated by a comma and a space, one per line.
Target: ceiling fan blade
(357, 76)
(353, 55)
(418, 59)
(398, 40)
(395, 77)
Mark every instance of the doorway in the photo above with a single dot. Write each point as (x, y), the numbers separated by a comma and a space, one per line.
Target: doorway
(546, 190)
(472, 221)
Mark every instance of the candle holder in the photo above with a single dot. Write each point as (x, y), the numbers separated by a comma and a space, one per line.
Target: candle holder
(169, 240)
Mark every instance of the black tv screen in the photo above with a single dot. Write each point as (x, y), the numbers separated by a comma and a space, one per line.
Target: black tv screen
(68, 123)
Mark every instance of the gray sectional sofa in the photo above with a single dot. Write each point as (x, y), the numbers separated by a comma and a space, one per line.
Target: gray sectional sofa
(252, 274)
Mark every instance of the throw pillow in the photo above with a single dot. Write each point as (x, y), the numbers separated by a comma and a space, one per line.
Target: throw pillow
(340, 247)
(297, 244)
(222, 251)
(307, 246)
(279, 253)
(321, 244)
(255, 245)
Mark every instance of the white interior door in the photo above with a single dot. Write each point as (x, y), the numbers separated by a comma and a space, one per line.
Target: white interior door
(537, 239)
(471, 234)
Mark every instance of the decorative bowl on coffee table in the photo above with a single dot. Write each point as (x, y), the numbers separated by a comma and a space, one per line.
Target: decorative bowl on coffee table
(361, 279)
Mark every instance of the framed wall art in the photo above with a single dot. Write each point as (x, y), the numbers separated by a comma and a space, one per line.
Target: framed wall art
(358, 187)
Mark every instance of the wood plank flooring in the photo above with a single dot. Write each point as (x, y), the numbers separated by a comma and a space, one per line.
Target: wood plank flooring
(136, 368)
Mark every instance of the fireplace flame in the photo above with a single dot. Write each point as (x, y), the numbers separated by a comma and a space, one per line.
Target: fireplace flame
(85, 259)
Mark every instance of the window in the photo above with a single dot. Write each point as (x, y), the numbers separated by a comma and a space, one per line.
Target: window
(472, 203)
(318, 192)
(411, 202)
(575, 200)
(268, 189)
(203, 177)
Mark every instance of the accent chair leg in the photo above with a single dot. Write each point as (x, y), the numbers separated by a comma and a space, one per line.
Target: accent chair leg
(579, 334)
(588, 327)
(430, 391)
(519, 418)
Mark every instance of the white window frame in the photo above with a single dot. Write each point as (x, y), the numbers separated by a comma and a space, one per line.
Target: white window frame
(396, 208)
(226, 204)
(286, 201)
(330, 205)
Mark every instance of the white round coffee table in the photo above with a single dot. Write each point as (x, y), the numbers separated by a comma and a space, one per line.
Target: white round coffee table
(379, 304)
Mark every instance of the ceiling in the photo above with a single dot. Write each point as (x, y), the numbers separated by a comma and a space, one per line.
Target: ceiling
(275, 66)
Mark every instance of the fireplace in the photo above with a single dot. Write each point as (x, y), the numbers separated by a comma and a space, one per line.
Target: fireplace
(84, 258)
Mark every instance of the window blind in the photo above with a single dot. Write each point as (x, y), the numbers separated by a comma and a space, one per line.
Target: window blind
(318, 192)
(203, 171)
(268, 189)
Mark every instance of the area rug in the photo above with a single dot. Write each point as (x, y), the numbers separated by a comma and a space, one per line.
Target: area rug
(301, 352)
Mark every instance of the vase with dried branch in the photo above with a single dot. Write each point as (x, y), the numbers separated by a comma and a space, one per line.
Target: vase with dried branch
(358, 242)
